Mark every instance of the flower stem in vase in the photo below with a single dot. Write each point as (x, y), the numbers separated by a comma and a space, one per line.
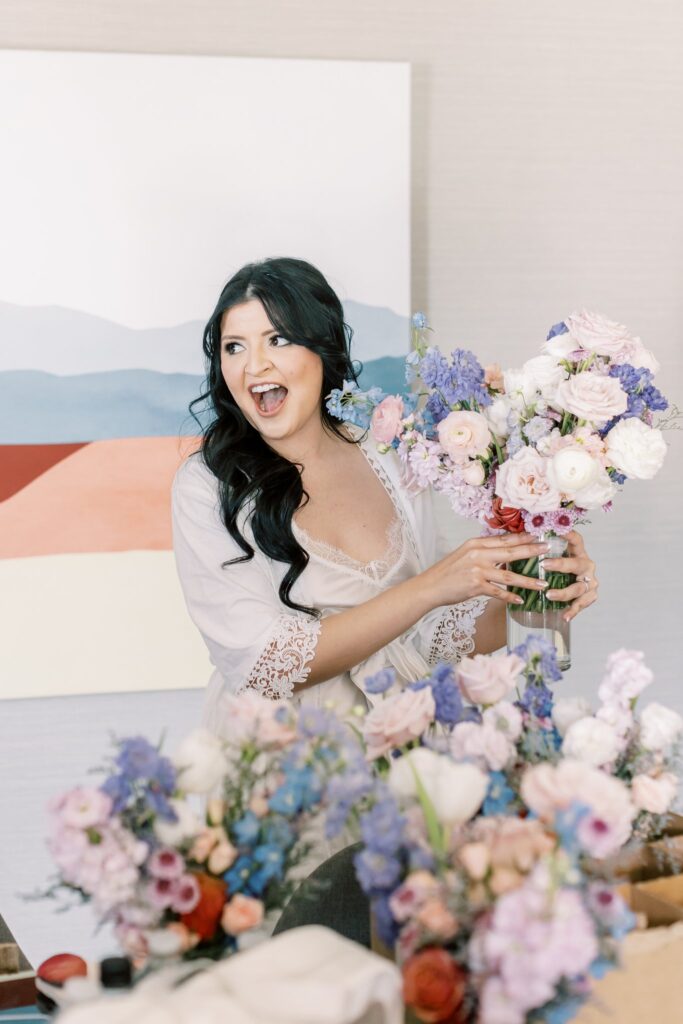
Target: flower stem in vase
(539, 616)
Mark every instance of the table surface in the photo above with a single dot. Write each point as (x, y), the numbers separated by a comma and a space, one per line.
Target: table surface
(25, 1014)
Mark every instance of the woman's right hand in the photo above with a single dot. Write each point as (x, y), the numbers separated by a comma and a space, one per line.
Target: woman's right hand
(478, 569)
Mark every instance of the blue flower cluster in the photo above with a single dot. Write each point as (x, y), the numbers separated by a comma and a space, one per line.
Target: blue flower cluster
(378, 865)
(142, 781)
(499, 796)
(541, 668)
(455, 384)
(643, 396)
(446, 694)
(556, 329)
(351, 405)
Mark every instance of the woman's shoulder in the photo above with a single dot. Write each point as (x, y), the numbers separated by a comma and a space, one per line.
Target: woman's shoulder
(193, 474)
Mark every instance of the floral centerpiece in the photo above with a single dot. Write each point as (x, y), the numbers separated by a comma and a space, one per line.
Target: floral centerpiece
(136, 849)
(532, 449)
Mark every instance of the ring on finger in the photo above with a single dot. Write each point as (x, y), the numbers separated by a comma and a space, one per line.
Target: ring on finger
(586, 580)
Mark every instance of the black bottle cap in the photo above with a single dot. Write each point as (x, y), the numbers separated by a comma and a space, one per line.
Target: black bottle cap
(116, 972)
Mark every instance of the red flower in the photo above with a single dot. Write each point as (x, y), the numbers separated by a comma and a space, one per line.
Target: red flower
(504, 518)
(434, 986)
(204, 919)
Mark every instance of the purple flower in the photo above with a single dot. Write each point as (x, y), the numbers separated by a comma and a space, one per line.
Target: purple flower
(447, 695)
(137, 758)
(381, 827)
(376, 870)
(380, 681)
(556, 329)
(540, 657)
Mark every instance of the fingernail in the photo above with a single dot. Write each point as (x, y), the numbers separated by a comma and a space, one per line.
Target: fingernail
(542, 584)
(518, 600)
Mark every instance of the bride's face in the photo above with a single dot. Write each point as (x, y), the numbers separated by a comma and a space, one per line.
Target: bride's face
(276, 383)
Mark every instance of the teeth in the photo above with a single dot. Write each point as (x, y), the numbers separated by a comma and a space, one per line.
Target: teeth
(260, 388)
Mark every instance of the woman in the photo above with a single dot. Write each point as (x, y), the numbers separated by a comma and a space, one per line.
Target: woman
(305, 564)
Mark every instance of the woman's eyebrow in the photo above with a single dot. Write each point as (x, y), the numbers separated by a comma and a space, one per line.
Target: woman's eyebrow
(236, 337)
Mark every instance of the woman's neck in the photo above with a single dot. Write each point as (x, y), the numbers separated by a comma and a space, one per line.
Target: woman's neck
(310, 445)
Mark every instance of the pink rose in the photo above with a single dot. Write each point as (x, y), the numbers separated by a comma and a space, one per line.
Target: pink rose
(654, 794)
(240, 914)
(595, 333)
(522, 482)
(397, 720)
(464, 435)
(592, 397)
(485, 680)
(386, 419)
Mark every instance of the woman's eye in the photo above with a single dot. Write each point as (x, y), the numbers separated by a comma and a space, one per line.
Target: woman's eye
(279, 341)
(231, 347)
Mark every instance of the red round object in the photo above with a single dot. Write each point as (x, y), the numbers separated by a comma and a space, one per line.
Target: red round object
(59, 968)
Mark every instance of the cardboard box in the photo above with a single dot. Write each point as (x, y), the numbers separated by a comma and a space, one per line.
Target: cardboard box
(660, 858)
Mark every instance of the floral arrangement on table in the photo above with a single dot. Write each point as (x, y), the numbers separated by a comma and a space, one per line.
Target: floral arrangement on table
(485, 814)
(135, 847)
(531, 449)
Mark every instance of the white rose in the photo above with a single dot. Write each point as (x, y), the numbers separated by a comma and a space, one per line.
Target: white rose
(200, 761)
(543, 374)
(498, 416)
(522, 482)
(591, 396)
(635, 353)
(595, 333)
(561, 346)
(591, 740)
(568, 710)
(654, 794)
(659, 726)
(636, 449)
(571, 470)
(601, 490)
(456, 791)
(187, 824)
(505, 717)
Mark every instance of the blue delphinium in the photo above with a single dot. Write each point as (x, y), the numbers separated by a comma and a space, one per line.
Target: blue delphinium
(381, 827)
(351, 405)
(537, 699)
(419, 321)
(455, 384)
(643, 396)
(376, 871)
(556, 329)
(447, 695)
(247, 829)
(386, 925)
(499, 796)
(142, 779)
(540, 657)
(381, 681)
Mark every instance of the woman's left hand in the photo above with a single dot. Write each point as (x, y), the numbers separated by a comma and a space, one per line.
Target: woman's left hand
(585, 591)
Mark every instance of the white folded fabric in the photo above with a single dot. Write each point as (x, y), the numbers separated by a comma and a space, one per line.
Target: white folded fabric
(308, 975)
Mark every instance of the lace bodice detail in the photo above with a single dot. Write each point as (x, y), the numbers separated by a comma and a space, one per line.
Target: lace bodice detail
(375, 570)
(285, 659)
(453, 635)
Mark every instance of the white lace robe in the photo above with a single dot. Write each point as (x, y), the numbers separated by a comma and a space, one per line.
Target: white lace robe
(256, 641)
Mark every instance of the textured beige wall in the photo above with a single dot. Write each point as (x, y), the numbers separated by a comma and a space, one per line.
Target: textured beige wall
(547, 174)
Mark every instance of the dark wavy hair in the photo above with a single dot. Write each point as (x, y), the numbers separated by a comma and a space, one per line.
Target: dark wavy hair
(303, 308)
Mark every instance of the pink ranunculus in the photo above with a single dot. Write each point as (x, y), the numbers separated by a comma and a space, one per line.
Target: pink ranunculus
(654, 793)
(595, 333)
(186, 895)
(397, 720)
(592, 397)
(85, 807)
(486, 680)
(464, 435)
(240, 914)
(522, 482)
(166, 863)
(386, 419)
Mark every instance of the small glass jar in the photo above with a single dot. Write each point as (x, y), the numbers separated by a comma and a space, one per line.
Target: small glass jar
(538, 616)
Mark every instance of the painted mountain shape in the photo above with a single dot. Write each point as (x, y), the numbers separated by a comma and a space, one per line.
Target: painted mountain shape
(38, 408)
(22, 463)
(68, 342)
(106, 496)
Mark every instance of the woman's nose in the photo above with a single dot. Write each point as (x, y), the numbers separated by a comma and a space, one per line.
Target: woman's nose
(258, 360)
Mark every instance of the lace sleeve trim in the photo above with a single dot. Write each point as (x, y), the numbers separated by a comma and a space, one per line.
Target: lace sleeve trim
(453, 636)
(285, 660)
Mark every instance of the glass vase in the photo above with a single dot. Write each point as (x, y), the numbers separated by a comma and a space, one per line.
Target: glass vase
(539, 616)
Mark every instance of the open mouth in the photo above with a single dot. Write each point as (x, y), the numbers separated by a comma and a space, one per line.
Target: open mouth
(269, 398)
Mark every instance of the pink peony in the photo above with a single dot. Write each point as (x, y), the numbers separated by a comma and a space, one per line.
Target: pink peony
(397, 720)
(240, 914)
(592, 397)
(486, 680)
(386, 419)
(464, 435)
(522, 482)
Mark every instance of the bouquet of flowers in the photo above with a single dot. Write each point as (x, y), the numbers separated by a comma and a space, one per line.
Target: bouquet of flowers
(491, 916)
(172, 885)
(531, 449)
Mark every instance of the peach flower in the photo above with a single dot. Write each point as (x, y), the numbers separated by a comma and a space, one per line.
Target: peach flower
(241, 914)
(221, 857)
(493, 377)
(437, 919)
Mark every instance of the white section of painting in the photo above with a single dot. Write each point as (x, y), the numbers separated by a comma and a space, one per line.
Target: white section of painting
(132, 186)
(96, 623)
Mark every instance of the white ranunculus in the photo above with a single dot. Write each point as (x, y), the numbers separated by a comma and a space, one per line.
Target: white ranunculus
(654, 793)
(522, 482)
(186, 825)
(457, 791)
(659, 726)
(592, 397)
(498, 416)
(636, 449)
(601, 490)
(591, 740)
(544, 373)
(568, 710)
(571, 470)
(200, 761)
